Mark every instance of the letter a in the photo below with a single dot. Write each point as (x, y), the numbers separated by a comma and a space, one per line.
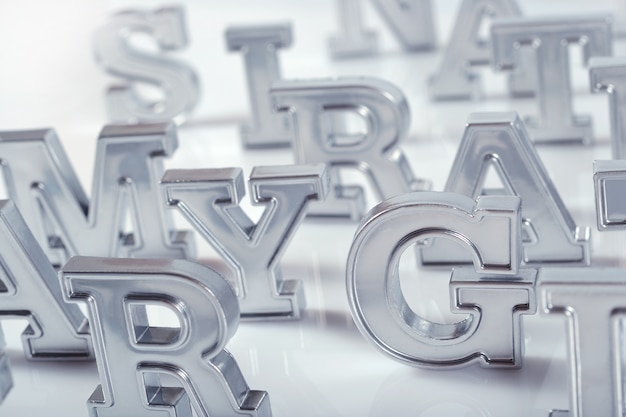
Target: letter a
(500, 140)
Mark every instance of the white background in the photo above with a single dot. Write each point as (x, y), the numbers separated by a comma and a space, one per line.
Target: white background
(320, 365)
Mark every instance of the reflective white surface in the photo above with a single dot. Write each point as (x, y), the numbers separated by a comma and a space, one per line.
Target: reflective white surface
(320, 365)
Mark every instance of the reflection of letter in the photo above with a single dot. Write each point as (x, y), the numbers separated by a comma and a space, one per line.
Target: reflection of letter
(500, 141)
(132, 353)
(6, 380)
(609, 75)
(209, 199)
(490, 229)
(176, 81)
(467, 391)
(259, 45)
(383, 109)
(593, 302)
(45, 188)
(454, 79)
(550, 38)
(29, 289)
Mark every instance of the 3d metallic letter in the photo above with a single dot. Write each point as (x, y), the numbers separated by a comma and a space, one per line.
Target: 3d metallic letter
(43, 185)
(383, 108)
(609, 180)
(490, 228)
(177, 81)
(29, 289)
(411, 22)
(550, 38)
(454, 79)
(209, 199)
(608, 74)
(6, 380)
(132, 353)
(353, 40)
(593, 301)
(500, 141)
(259, 46)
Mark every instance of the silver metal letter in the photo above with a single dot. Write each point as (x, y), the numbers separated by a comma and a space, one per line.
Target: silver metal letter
(491, 303)
(500, 141)
(609, 178)
(609, 75)
(128, 166)
(209, 199)
(29, 289)
(6, 380)
(385, 113)
(177, 81)
(259, 45)
(454, 79)
(550, 38)
(353, 40)
(410, 21)
(593, 302)
(133, 353)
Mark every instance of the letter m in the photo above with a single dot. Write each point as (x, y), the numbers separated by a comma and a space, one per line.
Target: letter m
(125, 194)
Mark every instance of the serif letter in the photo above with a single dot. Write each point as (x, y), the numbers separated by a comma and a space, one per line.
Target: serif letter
(134, 354)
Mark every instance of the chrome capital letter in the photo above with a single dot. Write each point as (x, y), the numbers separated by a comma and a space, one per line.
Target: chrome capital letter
(410, 21)
(608, 74)
(6, 380)
(609, 179)
(454, 79)
(500, 141)
(259, 45)
(133, 353)
(43, 185)
(593, 301)
(353, 40)
(490, 228)
(177, 81)
(209, 199)
(550, 38)
(29, 289)
(376, 152)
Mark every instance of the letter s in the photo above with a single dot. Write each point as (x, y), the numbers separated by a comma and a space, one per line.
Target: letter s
(177, 81)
